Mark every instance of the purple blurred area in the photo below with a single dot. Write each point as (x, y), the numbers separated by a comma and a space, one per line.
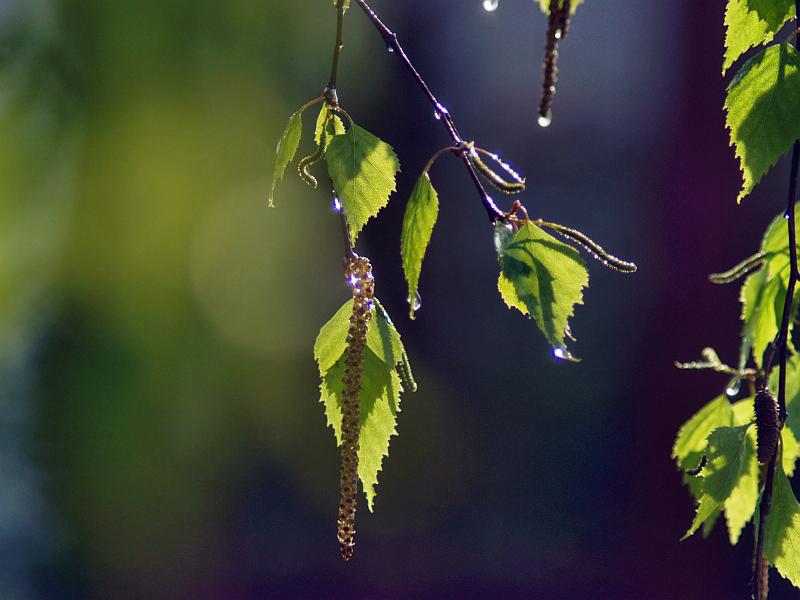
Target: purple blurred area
(160, 430)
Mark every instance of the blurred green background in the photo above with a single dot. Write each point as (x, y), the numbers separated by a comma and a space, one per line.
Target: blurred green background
(160, 432)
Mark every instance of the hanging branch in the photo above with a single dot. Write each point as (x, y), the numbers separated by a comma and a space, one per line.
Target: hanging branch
(441, 112)
(759, 578)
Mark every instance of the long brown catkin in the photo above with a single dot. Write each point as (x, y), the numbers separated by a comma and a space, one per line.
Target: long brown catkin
(358, 272)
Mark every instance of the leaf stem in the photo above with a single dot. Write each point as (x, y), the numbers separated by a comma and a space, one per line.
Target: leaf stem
(438, 155)
(781, 342)
(391, 41)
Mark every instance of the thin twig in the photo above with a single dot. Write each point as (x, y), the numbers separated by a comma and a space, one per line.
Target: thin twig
(332, 98)
(330, 90)
(781, 343)
(390, 39)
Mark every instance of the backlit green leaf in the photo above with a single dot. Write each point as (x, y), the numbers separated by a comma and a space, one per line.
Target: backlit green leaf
(542, 277)
(380, 391)
(363, 169)
(286, 149)
(422, 211)
(333, 124)
(763, 102)
(726, 453)
(690, 445)
(751, 23)
(382, 338)
(764, 292)
(782, 533)
(741, 503)
(380, 403)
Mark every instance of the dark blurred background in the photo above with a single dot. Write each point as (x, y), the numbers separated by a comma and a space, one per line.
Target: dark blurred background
(160, 431)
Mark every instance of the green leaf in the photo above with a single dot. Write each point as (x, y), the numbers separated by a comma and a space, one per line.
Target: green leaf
(286, 149)
(741, 504)
(334, 126)
(791, 432)
(726, 453)
(763, 102)
(690, 445)
(791, 450)
(380, 403)
(751, 23)
(382, 338)
(422, 211)
(542, 277)
(380, 391)
(708, 524)
(332, 339)
(782, 532)
(764, 292)
(363, 169)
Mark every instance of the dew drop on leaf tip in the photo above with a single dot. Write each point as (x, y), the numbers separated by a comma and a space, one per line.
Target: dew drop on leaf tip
(415, 302)
(490, 5)
(562, 354)
(336, 204)
(734, 385)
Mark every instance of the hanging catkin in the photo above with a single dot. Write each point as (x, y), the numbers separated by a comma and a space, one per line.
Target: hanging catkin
(767, 429)
(358, 272)
(557, 28)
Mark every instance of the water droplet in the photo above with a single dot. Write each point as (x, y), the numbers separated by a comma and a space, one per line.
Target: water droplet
(734, 385)
(437, 115)
(389, 49)
(503, 234)
(490, 5)
(336, 204)
(561, 353)
(786, 215)
(545, 120)
(415, 302)
(558, 34)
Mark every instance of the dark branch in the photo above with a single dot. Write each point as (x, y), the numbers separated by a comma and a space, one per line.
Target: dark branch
(390, 39)
(330, 91)
(331, 97)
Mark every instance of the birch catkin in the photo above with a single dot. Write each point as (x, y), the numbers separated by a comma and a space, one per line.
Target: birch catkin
(557, 28)
(767, 427)
(358, 272)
